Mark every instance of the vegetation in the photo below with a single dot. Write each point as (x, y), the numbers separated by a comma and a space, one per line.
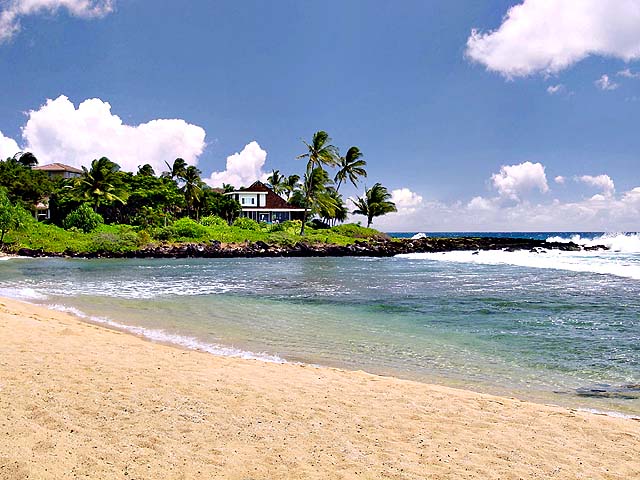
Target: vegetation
(376, 201)
(107, 209)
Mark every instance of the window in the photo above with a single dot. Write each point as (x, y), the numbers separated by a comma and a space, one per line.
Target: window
(242, 200)
(253, 200)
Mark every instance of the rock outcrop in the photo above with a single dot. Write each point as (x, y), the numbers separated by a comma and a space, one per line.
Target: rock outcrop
(377, 248)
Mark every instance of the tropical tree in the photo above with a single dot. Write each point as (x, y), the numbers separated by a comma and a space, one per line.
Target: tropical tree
(27, 159)
(351, 167)
(101, 185)
(319, 153)
(146, 170)
(375, 202)
(11, 216)
(23, 184)
(276, 181)
(290, 185)
(228, 188)
(177, 170)
(192, 189)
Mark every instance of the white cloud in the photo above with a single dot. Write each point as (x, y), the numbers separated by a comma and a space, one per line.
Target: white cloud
(547, 36)
(514, 180)
(559, 179)
(58, 132)
(627, 73)
(8, 147)
(554, 89)
(605, 83)
(602, 182)
(13, 10)
(480, 203)
(406, 201)
(243, 168)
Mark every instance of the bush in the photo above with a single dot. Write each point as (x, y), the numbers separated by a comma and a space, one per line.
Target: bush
(83, 218)
(356, 231)
(277, 227)
(247, 224)
(188, 228)
(119, 239)
(213, 221)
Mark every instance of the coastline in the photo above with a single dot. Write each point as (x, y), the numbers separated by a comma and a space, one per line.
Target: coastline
(371, 248)
(83, 399)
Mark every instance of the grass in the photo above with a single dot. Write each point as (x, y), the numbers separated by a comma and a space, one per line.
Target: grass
(123, 238)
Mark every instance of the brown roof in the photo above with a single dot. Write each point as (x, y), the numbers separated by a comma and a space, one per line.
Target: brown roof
(273, 199)
(57, 167)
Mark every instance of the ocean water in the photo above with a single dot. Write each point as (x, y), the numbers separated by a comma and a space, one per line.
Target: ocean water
(554, 327)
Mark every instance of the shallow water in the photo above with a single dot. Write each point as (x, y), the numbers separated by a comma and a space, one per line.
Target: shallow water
(554, 327)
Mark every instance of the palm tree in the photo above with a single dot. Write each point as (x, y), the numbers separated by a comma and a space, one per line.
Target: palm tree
(276, 181)
(27, 159)
(375, 202)
(228, 188)
(100, 185)
(291, 183)
(146, 170)
(351, 166)
(319, 152)
(177, 170)
(192, 188)
(333, 208)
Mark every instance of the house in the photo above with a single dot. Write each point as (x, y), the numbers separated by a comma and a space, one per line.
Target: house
(262, 204)
(59, 170)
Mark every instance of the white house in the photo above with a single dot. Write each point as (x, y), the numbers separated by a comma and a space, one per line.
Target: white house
(262, 204)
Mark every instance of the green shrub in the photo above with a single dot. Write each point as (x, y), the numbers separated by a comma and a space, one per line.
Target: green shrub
(114, 239)
(188, 228)
(83, 218)
(144, 238)
(247, 224)
(277, 227)
(292, 226)
(356, 231)
(213, 221)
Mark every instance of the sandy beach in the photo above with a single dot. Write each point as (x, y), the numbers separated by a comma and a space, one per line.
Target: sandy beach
(81, 401)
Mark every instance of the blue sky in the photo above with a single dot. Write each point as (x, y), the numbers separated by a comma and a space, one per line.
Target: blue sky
(437, 112)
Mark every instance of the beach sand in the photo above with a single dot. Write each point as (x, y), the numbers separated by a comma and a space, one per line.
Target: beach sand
(81, 401)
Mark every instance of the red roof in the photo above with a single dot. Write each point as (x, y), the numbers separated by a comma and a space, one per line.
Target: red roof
(58, 167)
(274, 201)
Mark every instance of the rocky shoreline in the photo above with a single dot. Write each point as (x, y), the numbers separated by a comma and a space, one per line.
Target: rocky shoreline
(378, 248)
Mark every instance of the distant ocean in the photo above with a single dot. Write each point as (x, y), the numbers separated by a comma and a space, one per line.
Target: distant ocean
(556, 327)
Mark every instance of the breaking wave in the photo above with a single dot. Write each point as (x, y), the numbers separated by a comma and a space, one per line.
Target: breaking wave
(617, 242)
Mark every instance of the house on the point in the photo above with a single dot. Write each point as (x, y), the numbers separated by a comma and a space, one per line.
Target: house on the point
(59, 170)
(262, 204)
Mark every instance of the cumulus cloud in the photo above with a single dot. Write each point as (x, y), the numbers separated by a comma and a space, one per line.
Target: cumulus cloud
(406, 201)
(601, 182)
(559, 180)
(8, 147)
(13, 10)
(554, 89)
(481, 203)
(547, 36)
(243, 168)
(627, 73)
(515, 180)
(605, 83)
(60, 132)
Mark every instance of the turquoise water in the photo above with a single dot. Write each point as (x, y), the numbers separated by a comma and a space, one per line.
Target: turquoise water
(546, 327)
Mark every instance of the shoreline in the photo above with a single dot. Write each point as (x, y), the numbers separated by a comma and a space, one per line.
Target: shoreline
(375, 248)
(332, 422)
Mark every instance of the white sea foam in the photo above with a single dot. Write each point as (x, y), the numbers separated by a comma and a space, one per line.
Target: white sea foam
(617, 242)
(609, 413)
(158, 335)
(418, 236)
(21, 293)
(605, 263)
